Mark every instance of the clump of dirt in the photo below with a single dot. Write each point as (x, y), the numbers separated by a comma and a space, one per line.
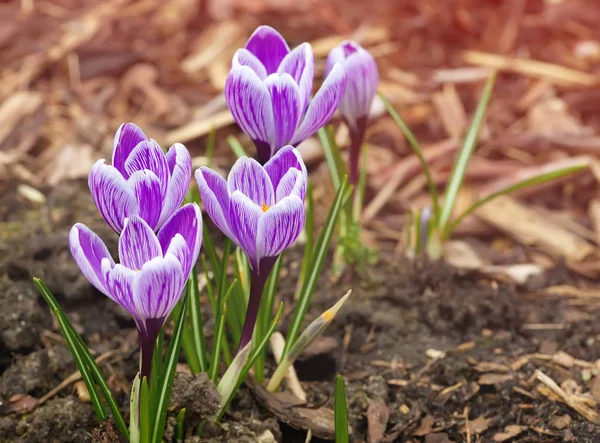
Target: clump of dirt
(246, 430)
(37, 373)
(197, 394)
(63, 420)
(22, 318)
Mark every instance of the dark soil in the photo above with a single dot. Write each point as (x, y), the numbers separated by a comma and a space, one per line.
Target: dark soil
(416, 343)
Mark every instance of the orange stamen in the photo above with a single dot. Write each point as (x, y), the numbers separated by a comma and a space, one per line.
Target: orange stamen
(264, 207)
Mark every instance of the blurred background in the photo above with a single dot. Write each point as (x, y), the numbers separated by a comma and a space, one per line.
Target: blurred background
(73, 70)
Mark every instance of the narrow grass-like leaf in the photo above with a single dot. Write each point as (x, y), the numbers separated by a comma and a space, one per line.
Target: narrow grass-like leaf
(227, 382)
(265, 313)
(531, 181)
(309, 238)
(146, 411)
(462, 161)
(333, 156)
(219, 332)
(94, 368)
(414, 144)
(187, 341)
(319, 255)
(210, 147)
(361, 186)
(256, 351)
(196, 324)
(179, 429)
(312, 331)
(340, 412)
(236, 146)
(134, 411)
(166, 386)
(157, 370)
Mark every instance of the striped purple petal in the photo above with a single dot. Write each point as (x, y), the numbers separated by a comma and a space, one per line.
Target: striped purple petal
(128, 136)
(284, 159)
(148, 155)
(286, 102)
(279, 227)
(186, 223)
(147, 190)
(180, 167)
(292, 183)
(89, 251)
(119, 280)
(268, 46)
(243, 57)
(322, 107)
(244, 215)
(215, 197)
(138, 244)
(250, 178)
(299, 63)
(250, 103)
(158, 287)
(114, 197)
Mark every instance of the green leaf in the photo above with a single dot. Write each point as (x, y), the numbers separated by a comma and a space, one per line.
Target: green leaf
(531, 181)
(236, 146)
(243, 373)
(320, 253)
(179, 429)
(309, 238)
(219, 332)
(210, 146)
(361, 186)
(340, 412)
(166, 386)
(134, 411)
(462, 161)
(414, 144)
(146, 415)
(333, 155)
(157, 369)
(196, 324)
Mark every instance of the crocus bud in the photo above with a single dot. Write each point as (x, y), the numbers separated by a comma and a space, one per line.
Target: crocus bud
(268, 92)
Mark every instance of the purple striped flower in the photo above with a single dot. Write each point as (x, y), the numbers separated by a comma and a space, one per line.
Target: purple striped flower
(361, 87)
(261, 209)
(152, 270)
(268, 92)
(142, 180)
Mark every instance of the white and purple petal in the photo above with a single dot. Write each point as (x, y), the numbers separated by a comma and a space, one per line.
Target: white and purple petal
(284, 159)
(244, 215)
(147, 189)
(215, 197)
(148, 155)
(249, 101)
(128, 136)
(323, 105)
(251, 179)
(299, 63)
(138, 244)
(292, 183)
(119, 280)
(286, 101)
(113, 196)
(180, 167)
(158, 287)
(243, 57)
(280, 226)
(268, 46)
(186, 223)
(89, 251)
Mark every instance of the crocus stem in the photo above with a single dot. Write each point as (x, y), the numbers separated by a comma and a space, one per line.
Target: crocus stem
(357, 135)
(147, 341)
(258, 279)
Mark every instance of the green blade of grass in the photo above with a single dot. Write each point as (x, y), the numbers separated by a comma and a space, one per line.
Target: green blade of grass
(210, 147)
(157, 369)
(179, 429)
(134, 411)
(219, 332)
(333, 156)
(309, 238)
(361, 186)
(462, 161)
(236, 146)
(187, 341)
(320, 253)
(256, 351)
(196, 324)
(414, 144)
(146, 415)
(166, 386)
(340, 412)
(532, 181)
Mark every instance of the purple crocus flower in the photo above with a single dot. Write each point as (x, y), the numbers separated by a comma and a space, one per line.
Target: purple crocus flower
(361, 87)
(260, 208)
(142, 180)
(152, 272)
(268, 92)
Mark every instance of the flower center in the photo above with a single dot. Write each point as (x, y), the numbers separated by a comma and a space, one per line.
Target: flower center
(264, 207)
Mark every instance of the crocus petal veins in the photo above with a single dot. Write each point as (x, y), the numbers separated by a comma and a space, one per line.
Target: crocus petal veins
(142, 181)
(268, 91)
